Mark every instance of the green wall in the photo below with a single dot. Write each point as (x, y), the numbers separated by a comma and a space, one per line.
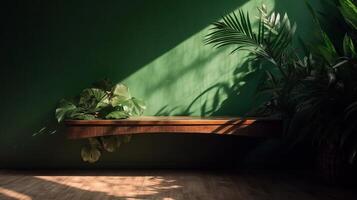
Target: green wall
(53, 49)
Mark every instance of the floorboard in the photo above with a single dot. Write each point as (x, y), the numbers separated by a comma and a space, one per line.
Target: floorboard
(167, 185)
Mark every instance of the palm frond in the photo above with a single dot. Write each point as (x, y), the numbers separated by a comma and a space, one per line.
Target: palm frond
(237, 31)
(349, 11)
(269, 40)
(326, 49)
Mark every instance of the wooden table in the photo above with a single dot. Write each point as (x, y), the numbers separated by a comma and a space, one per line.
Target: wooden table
(253, 127)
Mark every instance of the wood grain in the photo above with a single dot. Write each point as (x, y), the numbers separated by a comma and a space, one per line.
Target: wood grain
(171, 120)
(167, 185)
(253, 127)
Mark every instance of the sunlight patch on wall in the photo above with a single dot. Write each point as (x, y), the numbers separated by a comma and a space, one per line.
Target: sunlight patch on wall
(193, 78)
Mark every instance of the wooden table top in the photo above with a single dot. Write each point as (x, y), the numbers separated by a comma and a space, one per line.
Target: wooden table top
(261, 127)
(170, 120)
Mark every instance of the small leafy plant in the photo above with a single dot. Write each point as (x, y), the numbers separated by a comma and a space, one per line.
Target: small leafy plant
(104, 100)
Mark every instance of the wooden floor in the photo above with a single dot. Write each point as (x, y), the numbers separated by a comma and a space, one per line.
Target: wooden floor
(166, 185)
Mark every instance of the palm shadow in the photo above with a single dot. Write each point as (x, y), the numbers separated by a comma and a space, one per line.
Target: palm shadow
(226, 99)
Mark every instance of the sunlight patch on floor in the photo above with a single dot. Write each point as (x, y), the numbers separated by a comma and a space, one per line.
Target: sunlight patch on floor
(116, 186)
(13, 194)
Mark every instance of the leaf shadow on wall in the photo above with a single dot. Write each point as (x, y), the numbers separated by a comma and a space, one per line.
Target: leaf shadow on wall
(239, 98)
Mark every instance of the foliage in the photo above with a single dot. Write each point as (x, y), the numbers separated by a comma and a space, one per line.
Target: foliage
(269, 43)
(103, 100)
(328, 97)
(319, 88)
(348, 9)
(92, 151)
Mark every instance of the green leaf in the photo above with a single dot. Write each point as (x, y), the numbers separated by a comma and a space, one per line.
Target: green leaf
(98, 94)
(328, 54)
(42, 130)
(138, 106)
(133, 106)
(270, 42)
(326, 50)
(93, 98)
(235, 31)
(348, 47)
(121, 90)
(47, 130)
(81, 116)
(116, 101)
(117, 115)
(110, 143)
(329, 47)
(90, 154)
(94, 142)
(349, 11)
(64, 109)
(120, 94)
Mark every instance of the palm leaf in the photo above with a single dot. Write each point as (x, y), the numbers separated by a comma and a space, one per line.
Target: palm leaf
(349, 11)
(326, 50)
(236, 30)
(348, 47)
(269, 41)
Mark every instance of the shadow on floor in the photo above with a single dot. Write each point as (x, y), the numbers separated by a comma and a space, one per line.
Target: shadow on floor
(167, 184)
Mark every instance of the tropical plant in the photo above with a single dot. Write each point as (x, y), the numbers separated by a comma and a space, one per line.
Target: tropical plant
(321, 86)
(269, 43)
(328, 97)
(102, 101)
